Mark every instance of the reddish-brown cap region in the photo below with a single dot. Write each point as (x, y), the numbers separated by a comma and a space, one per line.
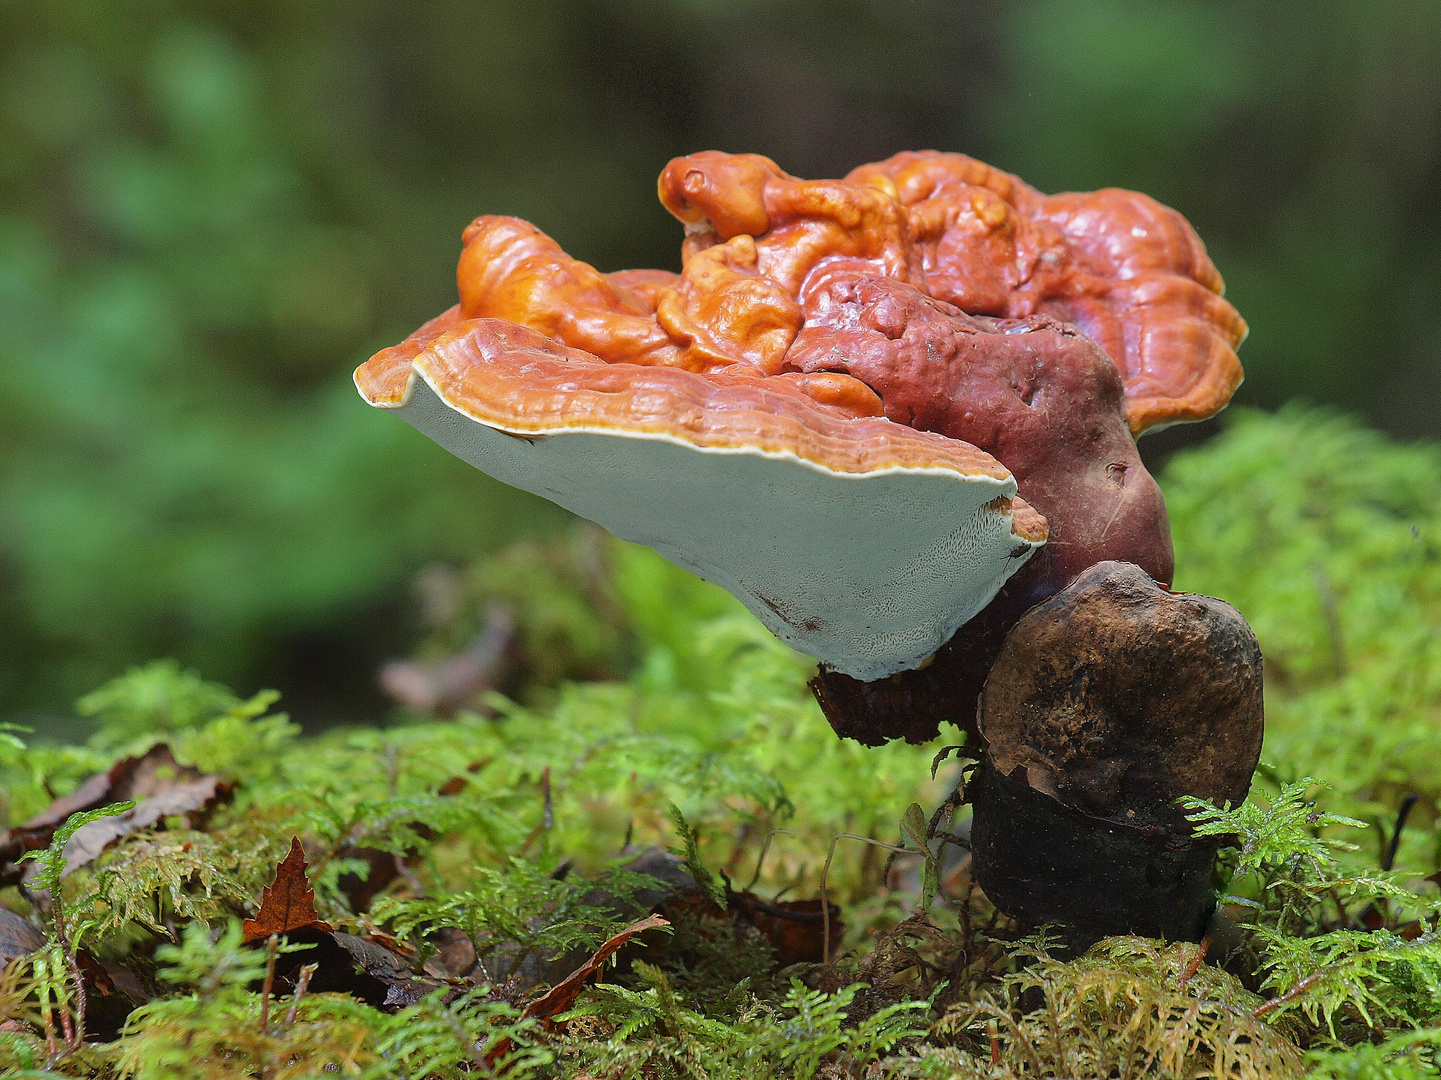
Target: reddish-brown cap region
(928, 314)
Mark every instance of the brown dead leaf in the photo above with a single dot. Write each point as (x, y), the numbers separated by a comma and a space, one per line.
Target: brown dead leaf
(288, 902)
(129, 779)
(111, 994)
(362, 967)
(794, 928)
(191, 797)
(562, 995)
(454, 956)
(402, 986)
(18, 936)
(155, 780)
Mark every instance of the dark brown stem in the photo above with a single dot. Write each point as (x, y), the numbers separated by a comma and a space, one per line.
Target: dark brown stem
(825, 873)
(547, 816)
(760, 860)
(67, 1026)
(272, 946)
(1290, 995)
(73, 962)
(1195, 964)
(302, 984)
(1110, 702)
(1403, 812)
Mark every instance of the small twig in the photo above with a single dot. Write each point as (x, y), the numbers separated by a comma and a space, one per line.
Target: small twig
(761, 860)
(272, 945)
(1195, 965)
(1402, 813)
(302, 983)
(825, 872)
(74, 964)
(416, 885)
(1290, 995)
(547, 816)
(392, 768)
(995, 1043)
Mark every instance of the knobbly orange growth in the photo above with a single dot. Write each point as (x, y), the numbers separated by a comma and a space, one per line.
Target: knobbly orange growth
(929, 292)
(1128, 271)
(288, 902)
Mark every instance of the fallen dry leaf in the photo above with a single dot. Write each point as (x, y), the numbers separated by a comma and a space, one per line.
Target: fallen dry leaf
(288, 902)
(358, 966)
(18, 936)
(562, 995)
(794, 928)
(131, 778)
(192, 797)
(111, 994)
(401, 985)
(454, 956)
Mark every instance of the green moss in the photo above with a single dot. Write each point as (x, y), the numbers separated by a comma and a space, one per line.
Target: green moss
(1327, 536)
(701, 736)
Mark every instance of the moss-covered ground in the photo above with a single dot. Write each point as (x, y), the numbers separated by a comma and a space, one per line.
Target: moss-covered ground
(582, 706)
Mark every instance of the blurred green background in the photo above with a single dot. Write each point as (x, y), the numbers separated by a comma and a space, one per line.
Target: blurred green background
(211, 212)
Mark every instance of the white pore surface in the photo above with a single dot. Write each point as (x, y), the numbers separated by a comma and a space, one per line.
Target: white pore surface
(869, 573)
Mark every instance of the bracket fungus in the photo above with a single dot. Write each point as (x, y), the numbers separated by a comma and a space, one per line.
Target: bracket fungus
(790, 504)
(891, 413)
(830, 409)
